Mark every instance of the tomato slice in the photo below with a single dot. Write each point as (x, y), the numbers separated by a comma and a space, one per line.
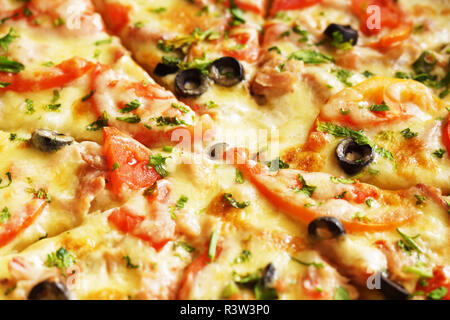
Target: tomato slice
(245, 46)
(192, 271)
(283, 5)
(395, 36)
(127, 160)
(439, 280)
(256, 6)
(116, 15)
(446, 136)
(57, 76)
(391, 15)
(279, 189)
(19, 222)
(156, 226)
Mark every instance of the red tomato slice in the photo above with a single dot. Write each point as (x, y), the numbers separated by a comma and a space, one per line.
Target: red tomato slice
(446, 136)
(131, 223)
(58, 76)
(127, 160)
(439, 280)
(19, 222)
(249, 41)
(192, 271)
(116, 15)
(278, 190)
(391, 15)
(283, 5)
(256, 6)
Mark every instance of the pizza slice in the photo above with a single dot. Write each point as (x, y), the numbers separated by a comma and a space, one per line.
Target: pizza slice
(318, 32)
(48, 183)
(367, 233)
(381, 129)
(45, 85)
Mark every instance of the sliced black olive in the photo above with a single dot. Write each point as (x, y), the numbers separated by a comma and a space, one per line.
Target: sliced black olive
(348, 33)
(48, 140)
(393, 290)
(227, 71)
(49, 290)
(162, 69)
(191, 83)
(326, 228)
(352, 157)
(216, 151)
(268, 275)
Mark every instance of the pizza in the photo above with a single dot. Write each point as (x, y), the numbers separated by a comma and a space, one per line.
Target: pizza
(215, 149)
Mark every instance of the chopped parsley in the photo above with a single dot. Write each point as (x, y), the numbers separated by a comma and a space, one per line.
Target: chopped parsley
(158, 162)
(8, 38)
(337, 180)
(305, 189)
(439, 153)
(419, 199)
(98, 124)
(437, 294)
(133, 105)
(310, 56)
(243, 257)
(8, 65)
(4, 215)
(408, 134)
(40, 194)
(169, 121)
(181, 202)
(104, 41)
(61, 259)
(115, 166)
(30, 106)
(276, 164)
(228, 197)
(213, 245)
(274, 48)
(368, 74)
(318, 265)
(341, 294)
(358, 136)
(236, 14)
(183, 245)
(239, 178)
(407, 243)
(131, 119)
(130, 265)
(8, 175)
(303, 33)
(339, 43)
(379, 107)
(343, 76)
(88, 96)
(180, 107)
(58, 22)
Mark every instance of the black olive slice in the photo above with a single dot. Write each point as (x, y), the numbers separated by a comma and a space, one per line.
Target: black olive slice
(348, 33)
(352, 157)
(393, 290)
(217, 150)
(49, 290)
(191, 83)
(48, 140)
(227, 71)
(326, 228)
(162, 69)
(268, 275)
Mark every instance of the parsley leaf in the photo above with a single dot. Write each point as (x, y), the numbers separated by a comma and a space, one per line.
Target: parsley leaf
(130, 265)
(238, 205)
(310, 56)
(305, 189)
(341, 294)
(408, 134)
(158, 162)
(8, 38)
(4, 215)
(61, 259)
(8, 65)
(101, 122)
